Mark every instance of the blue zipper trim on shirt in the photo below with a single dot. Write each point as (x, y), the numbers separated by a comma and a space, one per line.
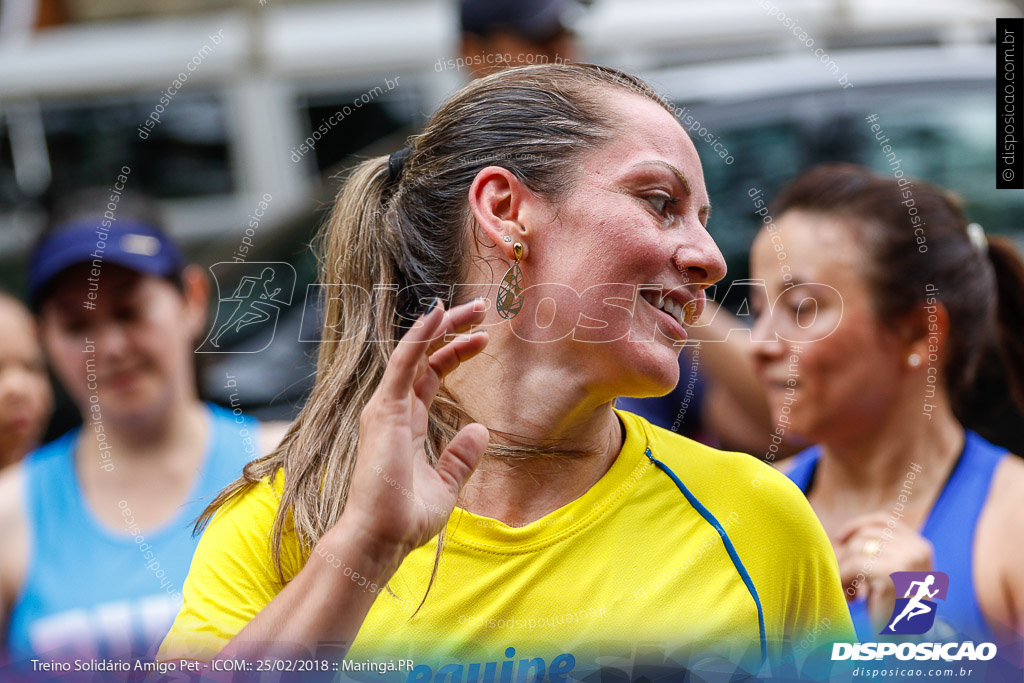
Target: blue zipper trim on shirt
(729, 548)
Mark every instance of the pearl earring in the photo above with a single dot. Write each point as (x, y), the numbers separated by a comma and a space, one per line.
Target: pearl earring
(914, 360)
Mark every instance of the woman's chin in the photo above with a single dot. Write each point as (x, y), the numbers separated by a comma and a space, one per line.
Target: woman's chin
(650, 377)
(797, 427)
(136, 405)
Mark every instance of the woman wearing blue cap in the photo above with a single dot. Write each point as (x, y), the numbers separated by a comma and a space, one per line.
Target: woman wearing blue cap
(98, 524)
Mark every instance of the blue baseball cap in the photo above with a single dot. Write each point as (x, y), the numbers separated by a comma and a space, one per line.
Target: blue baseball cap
(136, 245)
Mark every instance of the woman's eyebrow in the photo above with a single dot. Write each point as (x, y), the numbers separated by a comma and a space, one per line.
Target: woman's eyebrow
(676, 171)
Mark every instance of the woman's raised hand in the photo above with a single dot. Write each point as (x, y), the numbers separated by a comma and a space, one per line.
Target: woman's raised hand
(869, 548)
(397, 500)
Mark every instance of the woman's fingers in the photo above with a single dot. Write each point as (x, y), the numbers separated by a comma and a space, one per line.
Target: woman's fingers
(456, 322)
(401, 370)
(461, 456)
(430, 332)
(872, 519)
(462, 348)
(459, 319)
(445, 360)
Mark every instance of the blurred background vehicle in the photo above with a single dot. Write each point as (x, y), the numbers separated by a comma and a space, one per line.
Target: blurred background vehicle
(79, 78)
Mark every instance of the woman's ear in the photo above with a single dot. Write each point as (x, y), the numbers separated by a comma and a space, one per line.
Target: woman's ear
(928, 330)
(196, 292)
(499, 202)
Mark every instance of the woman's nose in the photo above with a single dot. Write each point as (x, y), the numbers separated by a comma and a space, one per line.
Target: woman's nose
(700, 259)
(111, 340)
(767, 345)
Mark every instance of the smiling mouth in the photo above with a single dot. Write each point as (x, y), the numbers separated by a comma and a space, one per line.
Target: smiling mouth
(123, 378)
(776, 384)
(683, 314)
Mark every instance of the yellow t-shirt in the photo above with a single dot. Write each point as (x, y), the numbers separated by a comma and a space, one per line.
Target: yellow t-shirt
(632, 574)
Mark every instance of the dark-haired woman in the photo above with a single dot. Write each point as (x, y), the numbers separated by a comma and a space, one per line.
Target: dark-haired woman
(578, 531)
(26, 399)
(909, 298)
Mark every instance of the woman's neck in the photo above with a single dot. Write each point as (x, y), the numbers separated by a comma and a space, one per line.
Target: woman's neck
(139, 447)
(542, 403)
(869, 473)
(150, 469)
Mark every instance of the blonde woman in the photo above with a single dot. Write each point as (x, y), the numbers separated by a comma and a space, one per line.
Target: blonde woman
(459, 490)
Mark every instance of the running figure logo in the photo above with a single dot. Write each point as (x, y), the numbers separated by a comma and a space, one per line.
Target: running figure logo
(914, 613)
(259, 291)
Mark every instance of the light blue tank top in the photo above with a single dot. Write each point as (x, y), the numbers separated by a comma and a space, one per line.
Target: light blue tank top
(96, 592)
(950, 528)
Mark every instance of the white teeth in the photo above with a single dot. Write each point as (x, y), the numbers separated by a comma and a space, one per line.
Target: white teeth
(670, 306)
(675, 309)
